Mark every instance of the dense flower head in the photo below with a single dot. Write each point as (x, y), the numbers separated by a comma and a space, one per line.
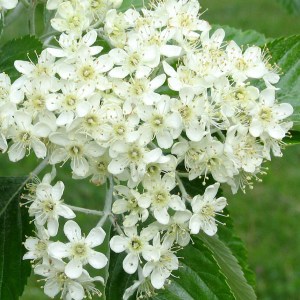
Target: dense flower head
(141, 98)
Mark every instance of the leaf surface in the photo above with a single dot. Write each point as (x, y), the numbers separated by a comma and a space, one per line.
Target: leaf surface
(14, 225)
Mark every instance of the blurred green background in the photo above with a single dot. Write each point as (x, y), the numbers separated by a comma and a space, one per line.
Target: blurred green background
(267, 218)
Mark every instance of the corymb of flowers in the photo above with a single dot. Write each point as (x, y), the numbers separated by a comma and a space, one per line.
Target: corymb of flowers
(167, 101)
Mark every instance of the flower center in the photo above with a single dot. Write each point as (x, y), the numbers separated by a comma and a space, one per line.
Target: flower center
(74, 22)
(133, 59)
(136, 244)
(102, 167)
(185, 112)
(132, 202)
(70, 100)
(160, 198)
(41, 246)
(75, 150)
(157, 121)
(79, 250)
(241, 64)
(48, 206)
(208, 211)
(25, 137)
(87, 73)
(119, 130)
(91, 120)
(135, 154)
(266, 114)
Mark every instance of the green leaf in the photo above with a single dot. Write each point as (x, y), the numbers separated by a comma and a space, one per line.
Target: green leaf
(199, 276)
(14, 225)
(285, 53)
(230, 267)
(248, 37)
(292, 6)
(234, 243)
(18, 49)
(225, 233)
(137, 4)
(118, 280)
(293, 138)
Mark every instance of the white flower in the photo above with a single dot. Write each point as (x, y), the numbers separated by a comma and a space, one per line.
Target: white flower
(205, 208)
(267, 116)
(206, 157)
(70, 103)
(57, 281)
(161, 268)
(136, 245)
(135, 59)
(160, 198)
(71, 46)
(245, 65)
(43, 71)
(178, 228)
(79, 249)
(25, 136)
(133, 155)
(37, 246)
(77, 147)
(70, 18)
(128, 201)
(184, 19)
(189, 108)
(244, 149)
(160, 123)
(140, 89)
(47, 206)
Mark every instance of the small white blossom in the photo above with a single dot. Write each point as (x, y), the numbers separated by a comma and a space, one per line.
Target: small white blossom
(79, 249)
(205, 208)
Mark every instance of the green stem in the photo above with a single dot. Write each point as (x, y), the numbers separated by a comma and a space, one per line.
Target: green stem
(25, 3)
(31, 15)
(86, 211)
(108, 201)
(116, 225)
(183, 191)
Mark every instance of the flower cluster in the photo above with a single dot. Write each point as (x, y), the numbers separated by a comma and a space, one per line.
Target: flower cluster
(45, 205)
(146, 98)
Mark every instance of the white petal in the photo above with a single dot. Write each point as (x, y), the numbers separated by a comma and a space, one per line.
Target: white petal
(117, 166)
(72, 231)
(52, 288)
(162, 215)
(66, 212)
(176, 203)
(80, 166)
(195, 224)
(153, 155)
(97, 260)
(130, 263)
(118, 243)
(39, 148)
(158, 278)
(211, 191)
(74, 268)
(52, 226)
(57, 190)
(58, 250)
(95, 237)
(76, 290)
(210, 228)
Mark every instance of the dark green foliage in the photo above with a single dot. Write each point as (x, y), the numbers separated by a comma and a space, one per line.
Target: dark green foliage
(14, 225)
